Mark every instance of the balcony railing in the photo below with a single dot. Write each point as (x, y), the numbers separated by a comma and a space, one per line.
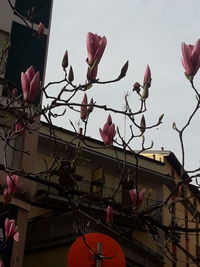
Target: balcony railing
(60, 229)
(84, 186)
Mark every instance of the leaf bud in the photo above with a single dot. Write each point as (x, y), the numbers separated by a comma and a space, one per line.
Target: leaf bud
(65, 60)
(71, 75)
(142, 124)
(123, 70)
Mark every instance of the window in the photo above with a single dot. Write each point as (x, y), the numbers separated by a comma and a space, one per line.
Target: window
(3, 54)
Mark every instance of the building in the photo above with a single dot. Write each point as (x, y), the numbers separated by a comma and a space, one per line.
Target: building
(52, 217)
(20, 47)
(26, 48)
(183, 250)
(97, 177)
(88, 173)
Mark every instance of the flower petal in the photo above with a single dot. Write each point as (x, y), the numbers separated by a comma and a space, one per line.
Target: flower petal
(34, 85)
(30, 73)
(16, 236)
(25, 86)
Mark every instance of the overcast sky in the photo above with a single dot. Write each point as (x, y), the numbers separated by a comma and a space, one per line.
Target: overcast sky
(144, 32)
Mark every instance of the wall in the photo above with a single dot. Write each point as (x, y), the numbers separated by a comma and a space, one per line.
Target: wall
(52, 257)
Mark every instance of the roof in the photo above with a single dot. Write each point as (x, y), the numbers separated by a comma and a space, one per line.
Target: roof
(171, 158)
(95, 141)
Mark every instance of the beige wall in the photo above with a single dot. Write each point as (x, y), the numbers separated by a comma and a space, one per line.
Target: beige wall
(6, 15)
(52, 257)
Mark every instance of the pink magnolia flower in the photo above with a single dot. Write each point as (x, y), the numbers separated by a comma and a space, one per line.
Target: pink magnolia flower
(146, 83)
(19, 128)
(41, 28)
(109, 214)
(1, 263)
(30, 82)
(147, 77)
(108, 132)
(6, 196)
(180, 189)
(137, 197)
(84, 112)
(11, 230)
(13, 183)
(191, 58)
(95, 48)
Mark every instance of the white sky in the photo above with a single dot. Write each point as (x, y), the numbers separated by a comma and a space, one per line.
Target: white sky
(145, 32)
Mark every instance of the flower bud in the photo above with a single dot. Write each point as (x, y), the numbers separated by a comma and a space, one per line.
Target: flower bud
(123, 70)
(109, 215)
(41, 28)
(71, 75)
(147, 77)
(65, 60)
(84, 113)
(142, 125)
(19, 128)
(136, 85)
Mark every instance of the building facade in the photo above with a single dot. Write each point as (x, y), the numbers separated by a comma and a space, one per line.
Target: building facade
(97, 177)
(20, 48)
(183, 248)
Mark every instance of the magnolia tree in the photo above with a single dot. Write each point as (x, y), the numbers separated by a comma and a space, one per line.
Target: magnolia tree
(22, 107)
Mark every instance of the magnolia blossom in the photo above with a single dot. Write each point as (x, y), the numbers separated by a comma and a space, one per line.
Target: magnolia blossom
(13, 183)
(11, 230)
(30, 82)
(86, 110)
(1, 263)
(41, 28)
(137, 197)
(108, 132)
(95, 48)
(109, 214)
(147, 76)
(19, 128)
(191, 58)
(146, 82)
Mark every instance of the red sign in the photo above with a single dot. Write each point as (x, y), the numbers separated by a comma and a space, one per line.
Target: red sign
(96, 250)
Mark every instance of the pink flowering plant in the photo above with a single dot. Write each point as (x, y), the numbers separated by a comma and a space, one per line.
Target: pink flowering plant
(11, 230)
(125, 200)
(108, 132)
(30, 82)
(95, 48)
(191, 59)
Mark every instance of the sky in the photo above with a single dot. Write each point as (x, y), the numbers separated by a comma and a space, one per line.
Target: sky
(143, 32)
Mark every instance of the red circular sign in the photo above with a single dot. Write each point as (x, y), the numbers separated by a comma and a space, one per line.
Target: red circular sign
(110, 252)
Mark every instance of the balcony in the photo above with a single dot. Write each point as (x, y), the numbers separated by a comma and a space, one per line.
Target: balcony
(87, 190)
(62, 230)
